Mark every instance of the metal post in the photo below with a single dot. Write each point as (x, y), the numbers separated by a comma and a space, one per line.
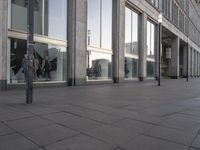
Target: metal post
(159, 54)
(30, 49)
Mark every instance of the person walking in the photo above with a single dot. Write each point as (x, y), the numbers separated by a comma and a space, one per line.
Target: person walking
(46, 67)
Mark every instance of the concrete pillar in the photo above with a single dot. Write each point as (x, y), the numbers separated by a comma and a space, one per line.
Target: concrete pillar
(3, 44)
(77, 42)
(118, 40)
(186, 50)
(198, 64)
(195, 63)
(142, 46)
(157, 49)
(191, 62)
(175, 58)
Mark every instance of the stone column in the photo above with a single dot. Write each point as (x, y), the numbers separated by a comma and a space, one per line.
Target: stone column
(175, 58)
(118, 40)
(3, 44)
(142, 46)
(77, 42)
(195, 63)
(185, 60)
(191, 64)
(157, 50)
(198, 64)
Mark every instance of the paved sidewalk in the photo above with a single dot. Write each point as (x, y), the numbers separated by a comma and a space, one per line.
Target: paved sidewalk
(131, 116)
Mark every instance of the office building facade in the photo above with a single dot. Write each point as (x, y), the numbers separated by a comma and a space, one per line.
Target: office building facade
(80, 42)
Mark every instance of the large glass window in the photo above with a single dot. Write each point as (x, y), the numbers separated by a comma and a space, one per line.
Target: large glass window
(100, 23)
(94, 21)
(106, 37)
(150, 40)
(55, 20)
(50, 17)
(131, 32)
(49, 63)
(19, 15)
(99, 54)
(150, 69)
(150, 49)
(130, 67)
(128, 31)
(131, 44)
(99, 65)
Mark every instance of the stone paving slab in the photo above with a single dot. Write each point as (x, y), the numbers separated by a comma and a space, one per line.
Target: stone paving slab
(49, 134)
(4, 130)
(173, 135)
(80, 142)
(112, 135)
(27, 124)
(196, 143)
(150, 143)
(132, 116)
(15, 142)
(14, 115)
(74, 122)
(133, 126)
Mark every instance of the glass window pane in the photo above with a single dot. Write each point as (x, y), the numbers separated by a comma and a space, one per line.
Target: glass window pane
(134, 33)
(99, 66)
(148, 38)
(49, 63)
(128, 30)
(131, 68)
(150, 69)
(152, 52)
(106, 32)
(94, 23)
(56, 27)
(38, 17)
(19, 15)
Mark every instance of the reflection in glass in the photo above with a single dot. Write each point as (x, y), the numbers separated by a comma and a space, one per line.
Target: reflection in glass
(19, 15)
(99, 66)
(128, 30)
(150, 40)
(55, 18)
(49, 62)
(94, 22)
(131, 68)
(134, 33)
(150, 69)
(131, 43)
(131, 32)
(100, 23)
(106, 31)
